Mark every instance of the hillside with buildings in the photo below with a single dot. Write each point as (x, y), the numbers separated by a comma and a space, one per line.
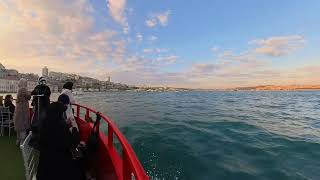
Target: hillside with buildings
(279, 88)
(9, 81)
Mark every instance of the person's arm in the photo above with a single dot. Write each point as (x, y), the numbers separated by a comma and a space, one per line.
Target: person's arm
(27, 95)
(12, 108)
(47, 92)
(35, 91)
(71, 97)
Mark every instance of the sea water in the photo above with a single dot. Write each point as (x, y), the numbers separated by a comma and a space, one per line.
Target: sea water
(218, 135)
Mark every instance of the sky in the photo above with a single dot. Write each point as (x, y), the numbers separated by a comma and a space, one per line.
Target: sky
(193, 44)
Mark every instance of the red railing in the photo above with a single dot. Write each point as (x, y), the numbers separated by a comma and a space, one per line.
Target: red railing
(124, 167)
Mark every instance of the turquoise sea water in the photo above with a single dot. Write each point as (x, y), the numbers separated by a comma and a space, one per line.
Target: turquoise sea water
(219, 135)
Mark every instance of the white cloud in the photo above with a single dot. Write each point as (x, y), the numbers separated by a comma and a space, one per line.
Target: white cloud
(214, 48)
(148, 50)
(161, 19)
(167, 59)
(279, 45)
(117, 12)
(139, 37)
(151, 22)
(152, 38)
(155, 50)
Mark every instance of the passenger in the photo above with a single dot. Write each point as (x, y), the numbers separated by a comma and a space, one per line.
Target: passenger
(22, 112)
(56, 142)
(41, 101)
(67, 90)
(1, 100)
(8, 103)
(41, 94)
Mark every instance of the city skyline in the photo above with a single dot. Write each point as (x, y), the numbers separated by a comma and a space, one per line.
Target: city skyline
(212, 44)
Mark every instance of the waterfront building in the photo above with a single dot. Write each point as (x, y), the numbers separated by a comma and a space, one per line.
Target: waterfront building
(8, 86)
(8, 73)
(11, 86)
(45, 72)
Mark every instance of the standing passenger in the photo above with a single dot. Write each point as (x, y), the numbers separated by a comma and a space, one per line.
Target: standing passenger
(67, 90)
(56, 142)
(40, 102)
(22, 112)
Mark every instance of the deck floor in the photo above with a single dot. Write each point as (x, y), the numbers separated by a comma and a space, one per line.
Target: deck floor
(11, 163)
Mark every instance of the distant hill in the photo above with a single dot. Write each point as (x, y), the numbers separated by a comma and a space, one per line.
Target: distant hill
(279, 88)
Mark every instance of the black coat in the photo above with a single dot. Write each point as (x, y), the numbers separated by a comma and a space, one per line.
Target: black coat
(11, 108)
(56, 141)
(41, 90)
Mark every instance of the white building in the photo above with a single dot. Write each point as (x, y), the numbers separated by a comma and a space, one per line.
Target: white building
(11, 86)
(8, 86)
(45, 72)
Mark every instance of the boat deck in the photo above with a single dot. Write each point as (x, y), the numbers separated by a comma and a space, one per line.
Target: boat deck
(11, 162)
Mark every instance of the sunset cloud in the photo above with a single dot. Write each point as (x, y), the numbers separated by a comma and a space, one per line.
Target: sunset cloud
(52, 33)
(279, 45)
(94, 38)
(117, 12)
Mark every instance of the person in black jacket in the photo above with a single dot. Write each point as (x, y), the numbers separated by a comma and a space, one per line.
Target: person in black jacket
(41, 98)
(56, 141)
(40, 102)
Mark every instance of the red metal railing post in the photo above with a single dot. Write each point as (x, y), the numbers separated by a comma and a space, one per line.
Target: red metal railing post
(110, 136)
(87, 114)
(129, 163)
(78, 111)
(126, 166)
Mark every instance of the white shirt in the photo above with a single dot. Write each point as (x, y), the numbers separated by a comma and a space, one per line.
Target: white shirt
(68, 92)
(69, 111)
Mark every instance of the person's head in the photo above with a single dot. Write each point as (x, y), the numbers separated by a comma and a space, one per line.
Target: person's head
(55, 114)
(8, 98)
(68, 85)
(23, 83)
(64, 99)
(42, 81)
(1, 100)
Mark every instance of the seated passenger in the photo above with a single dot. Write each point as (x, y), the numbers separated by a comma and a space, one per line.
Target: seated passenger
(56, 143)
(1, 100)
(8, 103)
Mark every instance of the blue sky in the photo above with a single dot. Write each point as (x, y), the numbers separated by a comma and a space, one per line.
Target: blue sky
(207, 43)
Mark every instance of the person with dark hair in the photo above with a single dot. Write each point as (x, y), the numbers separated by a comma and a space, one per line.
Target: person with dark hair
(67, 90)
(8, 103)
(1, 100)
(56, 142)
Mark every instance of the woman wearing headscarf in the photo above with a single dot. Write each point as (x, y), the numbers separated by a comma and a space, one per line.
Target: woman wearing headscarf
(56, 142)
(67, 90)
(21, 116)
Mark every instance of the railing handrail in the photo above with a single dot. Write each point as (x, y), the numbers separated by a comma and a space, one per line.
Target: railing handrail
(135, 164)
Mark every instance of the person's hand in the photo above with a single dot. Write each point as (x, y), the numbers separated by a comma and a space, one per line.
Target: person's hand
(68, 121)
